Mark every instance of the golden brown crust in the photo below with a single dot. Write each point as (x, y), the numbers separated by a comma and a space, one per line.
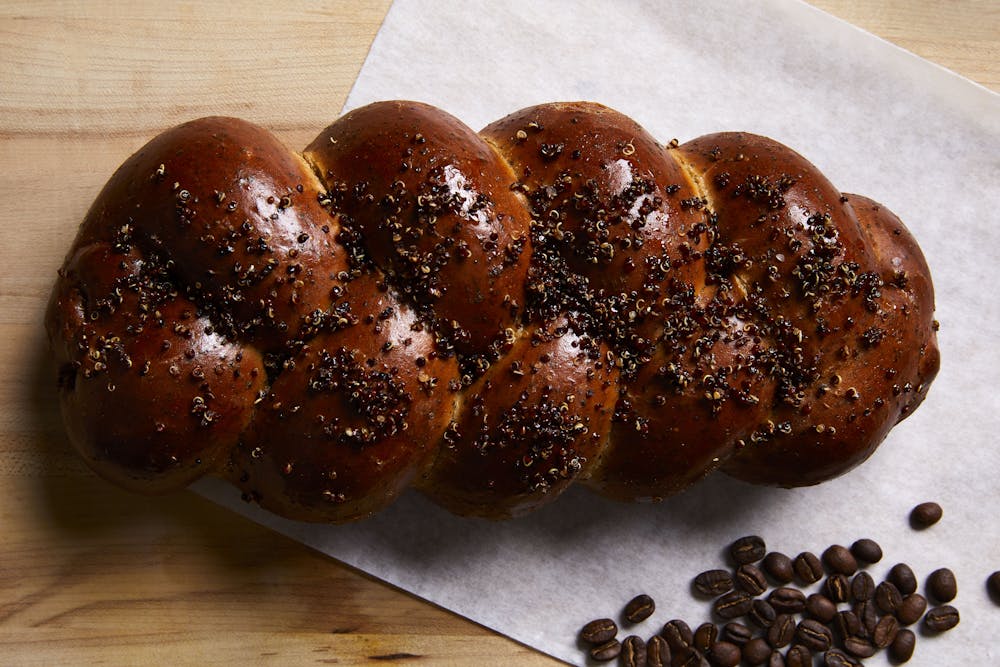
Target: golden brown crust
(487, 317)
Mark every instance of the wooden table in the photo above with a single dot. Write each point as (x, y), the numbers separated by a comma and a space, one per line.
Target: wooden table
(91, 575)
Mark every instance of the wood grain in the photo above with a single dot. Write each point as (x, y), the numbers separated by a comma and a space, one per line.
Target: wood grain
(91, 575)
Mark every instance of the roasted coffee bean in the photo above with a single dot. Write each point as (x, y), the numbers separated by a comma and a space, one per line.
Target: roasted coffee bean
(862, 587)
(821, 608)
(724, 654)
(732, 605)
(911, 608)
(837, 588)
(778, 566)
(860, 648)
(925, 515)
(657, 652)
(867, 551)
(840, 560)
(814, 635)
(837, 658)
(867, 614)
(762, 614)
(749, 549)
(689, 656)
(599, 631)
(633, 652)
(885, 631)
(776, 660)
(756, 651)
(901, 650)
(940, 619)
(678, 634)
(993, 586)
(887, 597)
(609, 650)
(847, 624)
(799, 656)
(941, 585)
(808, 567)
(787, 600)
(902, 576)
(751, 579)
(706, 635)
(712, 583)
(639, 608)
(782, 631)
(736, 633)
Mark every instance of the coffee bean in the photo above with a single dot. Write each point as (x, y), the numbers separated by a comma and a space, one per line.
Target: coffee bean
(732, 605)
(609, 650)
(859, 647)
(736, 633)
(779, 567)
(807, 567)
(993, 586)
(633, 652)
(867, 614)
(925, 515)
(678, 634)
(821, 608)
(902, 576)
(911, 608)
(941, 585)
(940, 619)
(814, 635)
(787, 600)
(749, 549)
(887, 597)
(862, 587)
(840, 560)
(599, 631)
(776, 660)
(837, 658)
(750, 579)
(756, 651)
(705, 636)
(799, 656)
(847, 624)
(657, 652)
(761, 613)
(885, 631)
(712, 583)
(639, 608)
(689, 656)
(782, 631)
(724, 654)
(867, 550)
(901, 650)
(837, 588)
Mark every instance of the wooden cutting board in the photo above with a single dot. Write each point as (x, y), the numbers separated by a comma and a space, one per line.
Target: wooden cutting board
(89, 574)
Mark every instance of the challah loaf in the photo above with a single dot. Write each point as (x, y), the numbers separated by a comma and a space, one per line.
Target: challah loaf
(487, 317)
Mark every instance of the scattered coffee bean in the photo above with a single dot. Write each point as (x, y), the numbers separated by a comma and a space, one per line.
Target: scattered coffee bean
(776, 660)
(940, 619)
(867, 550)
(689, 656)
(820, 607)
(736, 633)
(778, 566)
(885, 631)
(808, 567)
(799, 656)
(993, 586)
(712, 583)
(732, 605)
(633, 652)
(756, 651)
(941, 585)
(706, 635)
(847, 624)
(887, 597)
(724, 654)
(639, 608)
(787, 600)
(862, 587)
(814, 635)
(859, 647)
(901, 650)
(867, 614)
(761, 613)
(749, 549)
(837, 658)
(599, 631)
(925, 515)
(837, 588)
(902, 576)
(609, 650)
(911, 608)
(657, 652)
(782, 631)
(750, 579)
(840, 560)
(678, 634)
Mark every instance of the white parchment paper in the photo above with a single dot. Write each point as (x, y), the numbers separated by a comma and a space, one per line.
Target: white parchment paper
(879, 122)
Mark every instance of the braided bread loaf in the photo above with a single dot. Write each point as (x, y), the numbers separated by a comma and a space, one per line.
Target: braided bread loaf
(487, 317)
